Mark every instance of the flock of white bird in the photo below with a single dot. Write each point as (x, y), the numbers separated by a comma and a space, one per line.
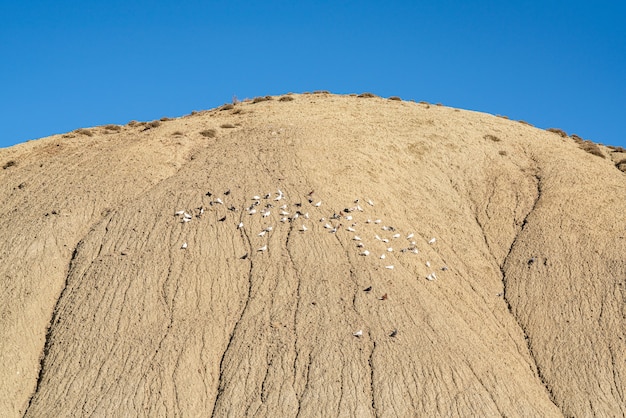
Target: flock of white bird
(351, 219)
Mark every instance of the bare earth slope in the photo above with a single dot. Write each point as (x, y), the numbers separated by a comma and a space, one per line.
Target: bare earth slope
(517, 308)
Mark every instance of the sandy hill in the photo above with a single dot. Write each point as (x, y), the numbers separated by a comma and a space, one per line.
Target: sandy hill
(230, 263)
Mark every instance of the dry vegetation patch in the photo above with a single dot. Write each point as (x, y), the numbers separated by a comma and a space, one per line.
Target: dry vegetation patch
(285, 99)
(621, 165)
(492, 138)
(395, 98)
(558, 131)
(83, 131)
(591, 148)
(261, 99)
(209, 133)
(227, 126)
(227, 106)
(8, 164)
(367, 95)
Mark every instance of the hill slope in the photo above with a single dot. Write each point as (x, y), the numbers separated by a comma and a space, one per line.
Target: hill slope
(516, 308)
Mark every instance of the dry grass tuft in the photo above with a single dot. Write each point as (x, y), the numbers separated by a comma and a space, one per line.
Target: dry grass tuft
(165, 119)
(395, 98)
(286, 99)
(503, 153)
(83, 131)
(523, 122)
(558, 131)
(492, 138)
(616, 149)
(227, 126)
(8, 164)
(502, 116)
(115, 128)
(577, 139)
(321, 92)
(178, 133)
(591, 148)
(209, 133)
(261, 99)
(194, 112)
(366, 95)
(227, 106)
(438, 104)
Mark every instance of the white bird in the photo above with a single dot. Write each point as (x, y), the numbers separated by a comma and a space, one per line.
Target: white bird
(256, 198)
(365, 253)
(385, 240)
(385, 228)
(304, 228)
(280, 195)
(269, 228)
(322, 219)
(306, 215)
(428, 264)
(349, 217)
(382, 257)
(359, 208)
(266, 214)
(219, 201)
(263, 248)
(432, 240)
(377, 221)
(358, 333)
(410, 236)
(360, 245)
(186, 215)
(296, 215)
(262, 233)
(180, 212)
(396, 236)
(252, 211)
(431, 277)
(414, 251)
(389, 267)
(389, 249)
(328, 226)
(184, 245)
(240, 225)
(356, 238)
(283, 220)
(284, 212)
(283, 207)
(186, 219)
(318, 204)
(377, 237)
(369, 221)
(369, 202)
(350, 229)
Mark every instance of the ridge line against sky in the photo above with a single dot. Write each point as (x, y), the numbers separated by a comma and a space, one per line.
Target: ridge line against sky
(70, 65)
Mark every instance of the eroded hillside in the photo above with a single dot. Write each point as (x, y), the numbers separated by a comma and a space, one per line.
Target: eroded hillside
(320, 256)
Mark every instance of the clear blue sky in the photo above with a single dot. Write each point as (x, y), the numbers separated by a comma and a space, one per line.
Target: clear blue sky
(70, 64)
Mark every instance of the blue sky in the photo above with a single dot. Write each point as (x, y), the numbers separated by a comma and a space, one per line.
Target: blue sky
(70, 64)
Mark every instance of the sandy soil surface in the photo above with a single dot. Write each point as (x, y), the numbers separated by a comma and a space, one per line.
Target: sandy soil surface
(321, 256)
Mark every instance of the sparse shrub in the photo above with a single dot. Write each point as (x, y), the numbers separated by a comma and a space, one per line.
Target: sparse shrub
(115, 128)
(209, 133)
(395, 98)
(227, 106)
(591, 148)
(558, 131)
(367, 95)
(502, 116)
(83, 131)
(177, 133)
(132, 123)
(154, 124)
(194, 112)
(438, 104)
(523, 122)
(503, 153)
(321, 92)
(261, 99)
(492, 138)
(352, 94)
(8, 164)
(577, 139)
(621, 165)
(616, 149)
(424, 103)
(165, 119)
(237, 111)
(227, 125)
(286, 99)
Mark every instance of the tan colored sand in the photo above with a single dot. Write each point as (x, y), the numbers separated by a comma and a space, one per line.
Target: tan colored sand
(102, 313)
